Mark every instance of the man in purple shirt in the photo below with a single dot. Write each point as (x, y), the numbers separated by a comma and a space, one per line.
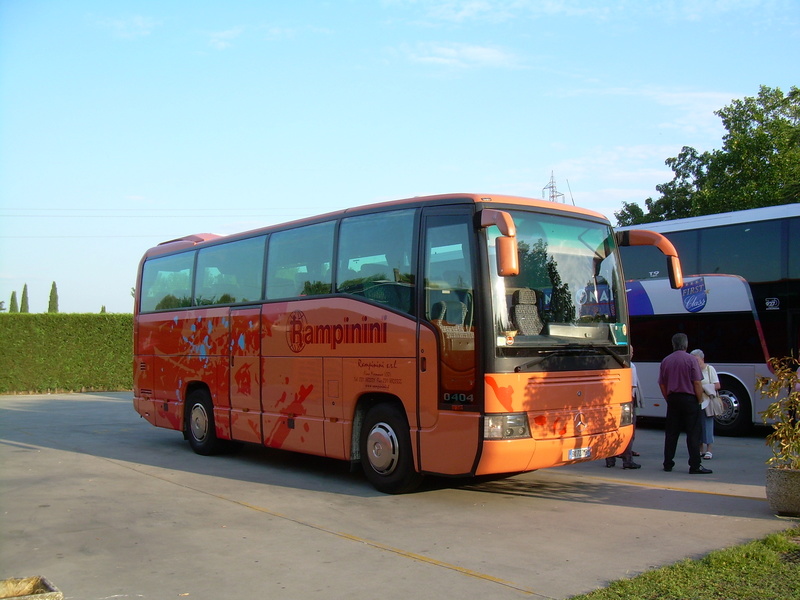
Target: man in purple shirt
(679, 378)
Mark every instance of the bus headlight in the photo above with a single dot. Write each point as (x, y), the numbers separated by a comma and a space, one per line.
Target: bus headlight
(626, 416)
(506, 427)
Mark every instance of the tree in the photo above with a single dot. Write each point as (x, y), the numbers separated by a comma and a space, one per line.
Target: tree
(52, 307)
(13, 307)
(758, 165)
(23, 307)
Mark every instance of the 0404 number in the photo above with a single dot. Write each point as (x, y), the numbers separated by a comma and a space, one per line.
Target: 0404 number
(458, 397)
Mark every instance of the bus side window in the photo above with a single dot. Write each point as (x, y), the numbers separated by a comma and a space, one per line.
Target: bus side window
(298, 261)
(230, 272)
(751, 250)
(793, 257)
(376, 258)
(167, 282)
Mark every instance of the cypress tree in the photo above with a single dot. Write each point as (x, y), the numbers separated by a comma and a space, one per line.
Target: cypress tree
(23, 307)
(53, 306)
(14, 306)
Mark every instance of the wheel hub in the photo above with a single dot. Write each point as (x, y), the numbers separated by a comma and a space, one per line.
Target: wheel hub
(198, 421)
(731, 404)
(382, 448)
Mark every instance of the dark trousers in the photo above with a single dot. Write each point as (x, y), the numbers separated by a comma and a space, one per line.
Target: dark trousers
(683, 415)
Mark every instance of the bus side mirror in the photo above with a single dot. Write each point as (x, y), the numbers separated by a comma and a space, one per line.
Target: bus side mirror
(507, 256)
(643, 237)
(506, 245)
(675, 272)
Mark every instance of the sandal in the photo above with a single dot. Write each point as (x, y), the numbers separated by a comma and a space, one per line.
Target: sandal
(707, 456)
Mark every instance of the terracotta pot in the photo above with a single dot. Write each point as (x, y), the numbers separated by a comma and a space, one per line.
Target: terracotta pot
(783, 491)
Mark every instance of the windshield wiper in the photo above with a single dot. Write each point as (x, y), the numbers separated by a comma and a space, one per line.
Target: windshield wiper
(568, 350)
(543, 357)
(610, 352)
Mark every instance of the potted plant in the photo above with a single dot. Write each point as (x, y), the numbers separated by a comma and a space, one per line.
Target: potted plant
(783, 415)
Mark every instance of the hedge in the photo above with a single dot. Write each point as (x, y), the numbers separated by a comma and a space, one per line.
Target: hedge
(51, 352)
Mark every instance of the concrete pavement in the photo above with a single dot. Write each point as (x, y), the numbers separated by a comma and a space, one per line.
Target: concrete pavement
(107, 506)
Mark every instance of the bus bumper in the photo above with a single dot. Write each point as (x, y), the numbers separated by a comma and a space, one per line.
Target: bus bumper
(146, 408)
(517, 456)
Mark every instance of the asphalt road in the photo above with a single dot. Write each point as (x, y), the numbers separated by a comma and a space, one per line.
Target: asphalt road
(107, 506)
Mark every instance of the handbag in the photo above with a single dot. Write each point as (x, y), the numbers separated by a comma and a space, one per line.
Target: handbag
(715, 408)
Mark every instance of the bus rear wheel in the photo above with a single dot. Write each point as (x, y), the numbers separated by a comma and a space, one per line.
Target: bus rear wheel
(200, 427)
(387, 457)
(736, 419)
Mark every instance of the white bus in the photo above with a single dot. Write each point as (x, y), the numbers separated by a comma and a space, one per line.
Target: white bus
(760, 245)
(718, 315)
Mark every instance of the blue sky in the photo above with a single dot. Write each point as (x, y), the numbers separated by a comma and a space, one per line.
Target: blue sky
(124, 124)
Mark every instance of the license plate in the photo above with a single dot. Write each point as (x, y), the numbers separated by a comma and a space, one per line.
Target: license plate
(576, 453)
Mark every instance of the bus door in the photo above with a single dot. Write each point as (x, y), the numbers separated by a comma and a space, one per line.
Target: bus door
(245, 374)
(291, 385)
(450, 392)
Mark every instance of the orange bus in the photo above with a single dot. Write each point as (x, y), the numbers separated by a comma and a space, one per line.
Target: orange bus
(456, 335)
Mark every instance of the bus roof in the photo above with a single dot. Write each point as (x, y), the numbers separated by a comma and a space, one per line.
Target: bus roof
(477, 198)
(440, 199)
(751, 215)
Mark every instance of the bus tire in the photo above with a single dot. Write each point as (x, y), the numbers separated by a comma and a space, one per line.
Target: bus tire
(200, 428)
(736, 420)
(387, 457)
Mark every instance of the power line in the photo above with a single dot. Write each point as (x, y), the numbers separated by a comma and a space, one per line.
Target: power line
(182, 210)
(160, 216)
(149, 208)
(82, 237)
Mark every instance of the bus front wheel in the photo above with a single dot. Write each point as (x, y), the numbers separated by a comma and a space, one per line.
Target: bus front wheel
(200, 426)
(386, 454)
(736, 419)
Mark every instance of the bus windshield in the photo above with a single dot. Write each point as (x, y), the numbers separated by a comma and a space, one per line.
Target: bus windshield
(569, 290)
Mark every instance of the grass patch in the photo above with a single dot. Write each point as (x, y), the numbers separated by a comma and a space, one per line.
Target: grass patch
(761, 570)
